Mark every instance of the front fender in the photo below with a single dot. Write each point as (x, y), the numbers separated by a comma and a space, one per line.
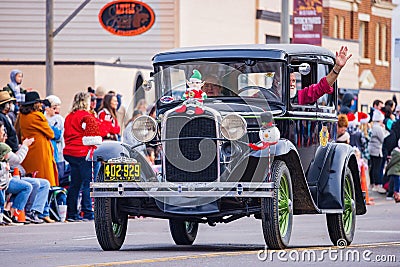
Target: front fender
(253, 166)
(327, 173)
(110, 150)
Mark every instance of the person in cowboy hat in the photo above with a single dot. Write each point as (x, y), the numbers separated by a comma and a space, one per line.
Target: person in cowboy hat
(5, 104)
(32, 123)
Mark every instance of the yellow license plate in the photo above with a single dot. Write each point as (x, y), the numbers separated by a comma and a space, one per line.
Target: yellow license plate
(122, 172)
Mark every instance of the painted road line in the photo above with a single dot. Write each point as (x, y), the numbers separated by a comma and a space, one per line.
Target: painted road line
(165, 259)
(379, 231)
(222, 254)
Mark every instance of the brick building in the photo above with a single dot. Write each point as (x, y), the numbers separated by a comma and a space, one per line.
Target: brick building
(365, 27)
(369, 23)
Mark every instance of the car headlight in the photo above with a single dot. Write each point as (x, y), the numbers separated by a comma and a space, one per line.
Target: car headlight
(233, 127)
(144, 128)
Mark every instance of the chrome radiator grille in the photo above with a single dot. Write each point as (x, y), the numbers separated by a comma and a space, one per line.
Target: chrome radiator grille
(182, 154)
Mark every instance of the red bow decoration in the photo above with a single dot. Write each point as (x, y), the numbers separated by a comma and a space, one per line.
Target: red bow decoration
(261, 146)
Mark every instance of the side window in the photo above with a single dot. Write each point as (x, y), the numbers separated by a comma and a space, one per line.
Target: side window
(297, 83)
(326, 100)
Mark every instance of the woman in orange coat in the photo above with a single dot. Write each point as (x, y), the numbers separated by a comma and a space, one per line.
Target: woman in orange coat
(32, 123)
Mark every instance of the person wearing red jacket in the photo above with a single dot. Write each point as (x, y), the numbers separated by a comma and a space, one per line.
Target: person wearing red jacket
(108, 118)
(75, 153)
(310, 94)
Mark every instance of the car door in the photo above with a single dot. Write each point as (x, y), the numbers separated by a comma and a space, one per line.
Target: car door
(302, 117)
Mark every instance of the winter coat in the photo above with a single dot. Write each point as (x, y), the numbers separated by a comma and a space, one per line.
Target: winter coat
(4, 176)
(12, 139)
(375, 145)
(15, 159)
(393, 167)
(357, 138)
(73, 134)
(11, 91)
(346, 103)
(390, 141)
(109, 124)
(40, 156)
(311, 94)
(57, 121)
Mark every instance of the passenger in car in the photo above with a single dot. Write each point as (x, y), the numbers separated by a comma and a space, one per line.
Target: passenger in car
(311, 93)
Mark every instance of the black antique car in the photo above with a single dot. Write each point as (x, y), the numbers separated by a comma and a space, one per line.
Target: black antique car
(248, 149)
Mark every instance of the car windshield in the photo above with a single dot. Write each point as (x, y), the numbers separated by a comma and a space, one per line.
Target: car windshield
(249, 78)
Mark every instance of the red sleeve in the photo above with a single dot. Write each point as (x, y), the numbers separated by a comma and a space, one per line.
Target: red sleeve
(106, 125)
(310, 94)
(101, 115)
(115, 129)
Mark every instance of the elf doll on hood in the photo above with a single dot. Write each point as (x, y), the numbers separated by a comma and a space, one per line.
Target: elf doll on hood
(194, 94)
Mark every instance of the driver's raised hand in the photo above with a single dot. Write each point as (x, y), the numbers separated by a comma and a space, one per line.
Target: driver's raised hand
(342, 57)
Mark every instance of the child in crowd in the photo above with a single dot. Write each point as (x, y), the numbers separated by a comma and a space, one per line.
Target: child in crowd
(19, 189)
(393, 171)
(342, 135)
(4, 180)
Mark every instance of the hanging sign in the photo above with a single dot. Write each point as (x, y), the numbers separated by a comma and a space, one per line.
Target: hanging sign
(126, 17)
(397, 47)
(307, 22)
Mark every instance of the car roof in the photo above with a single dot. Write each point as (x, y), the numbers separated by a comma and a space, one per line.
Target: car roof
(266, 51)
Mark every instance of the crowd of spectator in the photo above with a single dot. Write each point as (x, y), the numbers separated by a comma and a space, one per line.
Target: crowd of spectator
(41, 151)
(376, 139)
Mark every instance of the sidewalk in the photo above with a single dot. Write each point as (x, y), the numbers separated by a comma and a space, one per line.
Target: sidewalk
(379, 198)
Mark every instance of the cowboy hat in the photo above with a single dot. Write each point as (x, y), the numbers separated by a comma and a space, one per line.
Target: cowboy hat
(5, 97)
(31, 97)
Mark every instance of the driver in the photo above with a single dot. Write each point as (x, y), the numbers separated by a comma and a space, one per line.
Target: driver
(310, 94)
(212, 86)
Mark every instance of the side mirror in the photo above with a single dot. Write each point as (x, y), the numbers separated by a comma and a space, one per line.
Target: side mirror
(147, 84)
(304, 68)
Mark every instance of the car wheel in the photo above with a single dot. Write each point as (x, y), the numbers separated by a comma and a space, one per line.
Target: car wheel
(183, 232)
(277, 211)
(341, 227)
(110, 225)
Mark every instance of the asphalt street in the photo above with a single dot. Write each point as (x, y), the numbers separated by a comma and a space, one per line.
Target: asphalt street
(240, 243)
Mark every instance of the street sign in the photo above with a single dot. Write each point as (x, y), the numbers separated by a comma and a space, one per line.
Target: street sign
(307, 22)
(126, 17)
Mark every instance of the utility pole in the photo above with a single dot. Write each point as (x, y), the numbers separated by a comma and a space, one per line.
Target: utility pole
(49, 46)
(285, 22)
(50, 35)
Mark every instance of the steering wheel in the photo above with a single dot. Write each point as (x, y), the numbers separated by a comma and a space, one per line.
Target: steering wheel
(261, 92)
